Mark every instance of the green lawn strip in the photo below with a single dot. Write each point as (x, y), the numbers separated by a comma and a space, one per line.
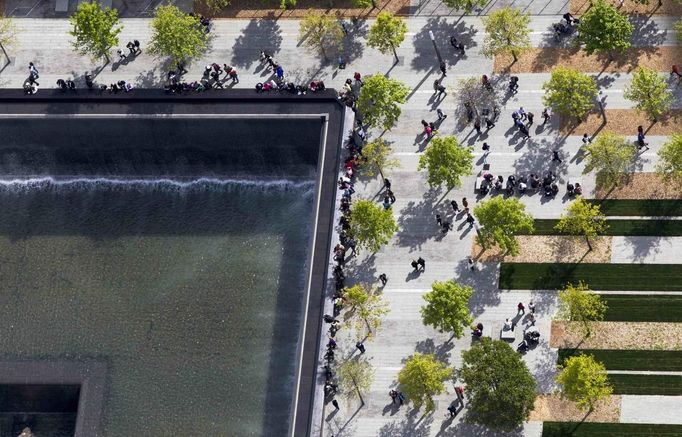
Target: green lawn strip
(647, 207)
(645, 228)
(548, 276)
(592, 429)
(667, 385)
(643, 308)
(664, 361)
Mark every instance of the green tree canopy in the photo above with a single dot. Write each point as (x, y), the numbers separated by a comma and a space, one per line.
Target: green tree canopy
(8, 32)
(577, 303)
(367, 309)
(95, 29)
(387, 33)
(670, 158)
(379, 100)
(678, 31)
(215, 6)
(570, 92)
(446, 161)
(320, 31)
(650, 93)
(371, 225)
(447, 307)
(611, 156)
(376, 158)
(364, 3)
(422, 378)
(465, 5)
(356, 376)
(584, 381)
(176, 34)
(506, 31)
(501, 219)
(582, 218)
(604, 29)
(500, 388)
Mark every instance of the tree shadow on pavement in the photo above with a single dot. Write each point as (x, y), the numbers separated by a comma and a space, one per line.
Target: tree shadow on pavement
(441, 352)
(413, 425)
(643, 247)
(464, 428)
(353, 43)
(259, 34)
(538, 159)
(484, 282)
(362, 270)
(426, 56)
(416, 221)
(646, 32)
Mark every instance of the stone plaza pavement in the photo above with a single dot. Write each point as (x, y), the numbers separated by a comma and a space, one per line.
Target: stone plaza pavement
(238, 42)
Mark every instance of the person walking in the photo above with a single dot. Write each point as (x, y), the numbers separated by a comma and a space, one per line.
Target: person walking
(477, 126)
(529, 117)
(486, 151)
(439, 220)
(454, 205)
(401, 397)
(130, 46)
(360, 346)
(465, 204)
(136, 43)
(443, 68)
(470, 220)
(387, 184)
(335, 403)
(421, 263)
(586, 139)
(383, 278)
(546, 115)
(514, 84)
(33, 71)
(391, 196)
(641, 144)
(441, 115)
(601, 100)
(394, 395)
(358, 78)
(555, 156)
(121, 56)
(531, 307)
(452, 408)
(521, 309)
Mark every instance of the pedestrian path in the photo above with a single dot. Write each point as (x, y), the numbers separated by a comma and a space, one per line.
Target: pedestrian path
(651, 409)
(646, 250)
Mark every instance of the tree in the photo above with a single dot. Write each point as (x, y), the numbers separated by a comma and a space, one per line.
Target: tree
(379, 100)
(584, 381)
(215, 6)
(318, 31)
(603, 28)
(367, 308)
(376, 157)
(501, 219)
(371, 225)
(446, 161)
(474, 97)
(670, 158)
(95, 29)
(465, 5)
(610, 155)
(355, 377)
(582, 218)
(422, 378)
(507, 31)
(387, 33)
(364, 3)
(678, 31)
(8, 34)
(176, 34)
(501, 389)
(650, 93)
(447, 307)
(570, 92)
(577, 303)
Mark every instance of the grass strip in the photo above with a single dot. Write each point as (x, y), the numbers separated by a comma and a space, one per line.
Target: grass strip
(593, 429)
(666, 385)
(643, 308)
(647, 207)
(613, 359)
(626, 277)
(644, 228)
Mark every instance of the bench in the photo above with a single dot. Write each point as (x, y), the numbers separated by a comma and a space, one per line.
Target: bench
(507, 335)
(61, 5)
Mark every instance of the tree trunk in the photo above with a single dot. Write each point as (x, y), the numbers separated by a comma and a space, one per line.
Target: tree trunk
(324, 53)
(395, 53)
(514, 55)
(369, 328)
(381, 173)
(588, 243)
(362, 401)
(374, 4)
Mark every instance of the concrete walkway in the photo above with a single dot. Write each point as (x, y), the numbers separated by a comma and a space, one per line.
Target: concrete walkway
(238, 43)
(646, 250)
(651, 409)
